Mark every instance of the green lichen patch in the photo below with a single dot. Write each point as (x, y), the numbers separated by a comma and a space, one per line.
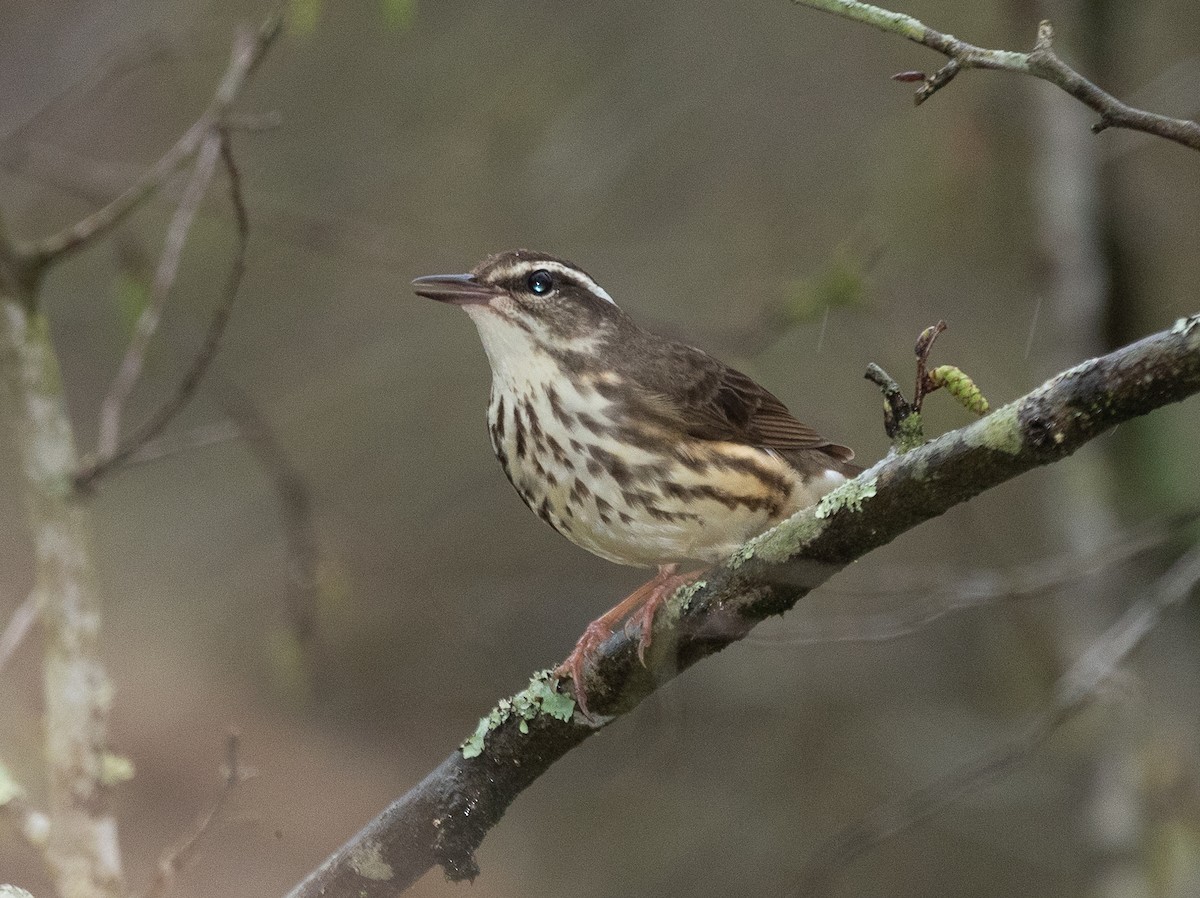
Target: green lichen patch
(1001, 431)
(683, 596)
(910, 433)
(781, 541)
(115, 769)
(850, 495)
(540, 697)
(744, 553)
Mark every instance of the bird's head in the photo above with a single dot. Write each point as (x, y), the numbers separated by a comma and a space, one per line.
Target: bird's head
(523, 299)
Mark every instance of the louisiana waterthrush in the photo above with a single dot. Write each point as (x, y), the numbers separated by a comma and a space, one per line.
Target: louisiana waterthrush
(642, 450)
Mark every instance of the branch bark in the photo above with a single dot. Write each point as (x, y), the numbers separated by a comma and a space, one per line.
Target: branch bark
(445, 818)
(1042, 62)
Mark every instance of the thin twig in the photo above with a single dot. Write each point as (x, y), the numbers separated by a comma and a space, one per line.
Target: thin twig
(143, 55)
(978, 589)
(18, 628)
(180, 855)
(16, 276)
(1072, 693)
(200, 437)
(164, 280)
(252, 121)
(924, 347)
(295, 504)
(152, 427)
(1042, 62)
(248, 51)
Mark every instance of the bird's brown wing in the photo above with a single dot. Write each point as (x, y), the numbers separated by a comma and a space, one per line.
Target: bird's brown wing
(722, 403)
(738, 409)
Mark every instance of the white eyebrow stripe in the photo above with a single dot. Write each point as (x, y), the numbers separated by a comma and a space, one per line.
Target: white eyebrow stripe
(578, 275)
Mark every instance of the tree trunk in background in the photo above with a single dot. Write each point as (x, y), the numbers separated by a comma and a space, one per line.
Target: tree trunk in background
(1087, 302)
(82, 848)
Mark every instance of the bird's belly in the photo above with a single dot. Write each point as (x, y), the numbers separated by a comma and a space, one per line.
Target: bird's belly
(634, 501)
(649, 528)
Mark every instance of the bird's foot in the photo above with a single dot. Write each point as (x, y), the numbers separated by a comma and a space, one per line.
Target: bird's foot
(643, 603)
(581, 657)
(661, 588)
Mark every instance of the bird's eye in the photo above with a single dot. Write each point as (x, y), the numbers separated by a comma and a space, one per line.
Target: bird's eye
(540, 283)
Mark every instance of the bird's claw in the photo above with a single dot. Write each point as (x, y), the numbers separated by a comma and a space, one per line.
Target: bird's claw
(581, 657)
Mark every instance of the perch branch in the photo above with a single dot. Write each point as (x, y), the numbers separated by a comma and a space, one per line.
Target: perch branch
(443, 819)
(1042, 62)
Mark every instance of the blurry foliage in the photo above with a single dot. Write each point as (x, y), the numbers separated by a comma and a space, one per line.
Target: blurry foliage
(842, 283)
(304, 15)
(399, 13)
(131, 295)
(336, 607)
(286, 665)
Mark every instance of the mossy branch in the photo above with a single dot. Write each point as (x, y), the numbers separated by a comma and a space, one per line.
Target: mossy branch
(1041, 62)
(442, 820)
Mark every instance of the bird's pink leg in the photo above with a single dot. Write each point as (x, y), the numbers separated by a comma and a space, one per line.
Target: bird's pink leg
(661, 588)
(646, 600)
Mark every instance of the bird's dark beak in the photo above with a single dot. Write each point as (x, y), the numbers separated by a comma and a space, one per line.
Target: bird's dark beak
(459, 289)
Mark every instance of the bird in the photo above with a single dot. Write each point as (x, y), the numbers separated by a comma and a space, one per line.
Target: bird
(641, 449)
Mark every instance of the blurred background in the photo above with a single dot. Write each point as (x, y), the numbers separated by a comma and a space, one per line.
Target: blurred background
(325, 556)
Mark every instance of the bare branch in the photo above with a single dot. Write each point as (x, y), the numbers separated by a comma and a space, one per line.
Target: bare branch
(16, 277)
(295, 508)
(164, 280)
(109, 454)
(18, 628)
(1074, 691)
(248, 51)
(174, 444)
(443, 819)
(179, 856)
(1042, 62)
